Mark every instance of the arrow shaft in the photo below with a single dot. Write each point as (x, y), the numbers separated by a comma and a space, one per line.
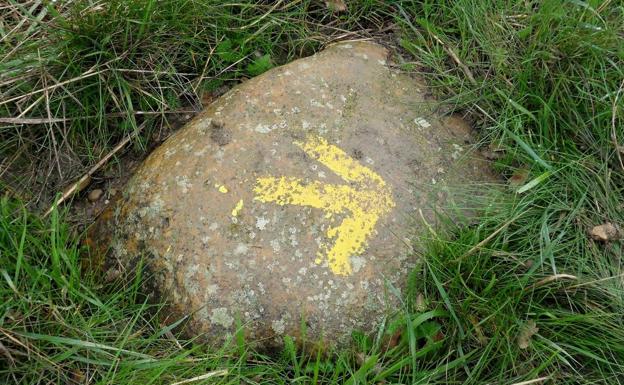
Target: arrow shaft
(292, 191)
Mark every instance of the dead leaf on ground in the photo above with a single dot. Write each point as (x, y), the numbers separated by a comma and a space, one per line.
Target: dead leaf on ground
(519, 177)
(605, 232)
(528, 330)
(336, 5)
(395, 339)
(439, 336)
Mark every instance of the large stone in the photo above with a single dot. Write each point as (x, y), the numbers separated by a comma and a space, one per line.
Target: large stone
(295, 196)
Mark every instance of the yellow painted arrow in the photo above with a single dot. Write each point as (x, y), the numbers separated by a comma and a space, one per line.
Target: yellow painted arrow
(367, 203)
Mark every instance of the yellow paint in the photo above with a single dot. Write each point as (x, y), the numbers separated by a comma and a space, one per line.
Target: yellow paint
(222, 189)
(366, 202)
(238, 208)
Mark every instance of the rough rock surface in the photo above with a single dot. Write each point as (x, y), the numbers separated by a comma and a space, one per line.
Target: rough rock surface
(295, 196)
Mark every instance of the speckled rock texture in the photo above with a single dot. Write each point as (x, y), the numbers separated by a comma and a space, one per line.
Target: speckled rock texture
(294, 199)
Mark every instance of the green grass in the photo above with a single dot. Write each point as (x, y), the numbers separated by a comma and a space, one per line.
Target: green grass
(521, 294)
(547, 92)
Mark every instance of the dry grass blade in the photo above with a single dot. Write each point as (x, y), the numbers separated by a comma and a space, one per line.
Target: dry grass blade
(83, 181)
(552, 278)
(613, 124)
(534, 381)
(32, 120)
(446, 48)
(488, 238)
(455, 58)
(35, 121)
(216, 373)
(23, 19)
(594, 282)
(29, 349)
(263, 16)
(87, 74)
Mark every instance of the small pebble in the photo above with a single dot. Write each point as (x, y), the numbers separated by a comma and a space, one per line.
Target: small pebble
(94, 195)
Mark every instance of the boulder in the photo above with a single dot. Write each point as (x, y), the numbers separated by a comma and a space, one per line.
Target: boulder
(291, 205)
